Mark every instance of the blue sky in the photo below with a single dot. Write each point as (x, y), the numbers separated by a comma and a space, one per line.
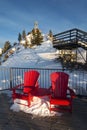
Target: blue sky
(57, 15)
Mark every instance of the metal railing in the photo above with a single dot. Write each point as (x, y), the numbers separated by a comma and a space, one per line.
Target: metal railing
(70, 39)
(10, 77)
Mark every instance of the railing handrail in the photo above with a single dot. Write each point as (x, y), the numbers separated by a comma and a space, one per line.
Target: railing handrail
(75, 34)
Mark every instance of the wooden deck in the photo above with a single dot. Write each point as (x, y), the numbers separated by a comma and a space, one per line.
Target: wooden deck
(10, 120)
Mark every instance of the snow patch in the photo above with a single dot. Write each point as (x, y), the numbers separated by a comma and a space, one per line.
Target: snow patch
(39, 107)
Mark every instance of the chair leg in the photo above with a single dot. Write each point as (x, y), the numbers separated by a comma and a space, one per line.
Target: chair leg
(50, 108)
(28, 103)
(30, 98)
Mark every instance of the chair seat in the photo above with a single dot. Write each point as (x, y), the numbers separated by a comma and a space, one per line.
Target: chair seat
(27, 89)
(62, 102)
(20, 96)
(40, 92)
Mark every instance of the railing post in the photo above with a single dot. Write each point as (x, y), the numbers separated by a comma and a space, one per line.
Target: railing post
(63, 69)
(70, 36)
(86, 56)
(10, 78)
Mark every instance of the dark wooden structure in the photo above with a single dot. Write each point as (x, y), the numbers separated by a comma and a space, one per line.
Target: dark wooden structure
(71, 40)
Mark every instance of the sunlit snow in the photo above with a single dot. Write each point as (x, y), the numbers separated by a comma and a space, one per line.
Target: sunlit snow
(38, 56)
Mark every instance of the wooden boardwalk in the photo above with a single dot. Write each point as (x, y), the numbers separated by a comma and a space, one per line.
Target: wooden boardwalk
(10, 120)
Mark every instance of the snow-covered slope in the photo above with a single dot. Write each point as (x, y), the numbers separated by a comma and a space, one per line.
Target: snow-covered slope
(42, 56)
(38, 56)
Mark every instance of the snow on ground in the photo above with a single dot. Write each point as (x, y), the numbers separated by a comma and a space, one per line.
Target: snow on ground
(38, 107)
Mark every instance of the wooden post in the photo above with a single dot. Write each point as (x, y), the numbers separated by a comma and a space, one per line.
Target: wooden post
(76, 55)
(86, 56)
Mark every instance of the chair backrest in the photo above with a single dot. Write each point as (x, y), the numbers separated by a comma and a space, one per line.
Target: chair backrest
(59, 82)
(30, 80)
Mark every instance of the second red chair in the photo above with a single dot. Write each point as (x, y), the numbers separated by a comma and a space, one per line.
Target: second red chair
(59, 88)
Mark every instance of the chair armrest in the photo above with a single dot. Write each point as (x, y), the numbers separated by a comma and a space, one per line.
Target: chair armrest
(72, 93)
(16, 87)
(50, 89)
(51, 92)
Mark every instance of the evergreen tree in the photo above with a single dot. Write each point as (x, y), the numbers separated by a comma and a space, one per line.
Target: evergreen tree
(19, 37)
(50, 33)
(24, 34)
(6, 46)
(0, 55)
(37, 37)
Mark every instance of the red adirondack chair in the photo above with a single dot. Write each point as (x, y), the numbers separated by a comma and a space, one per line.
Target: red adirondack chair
(59, 97)
(30, 82)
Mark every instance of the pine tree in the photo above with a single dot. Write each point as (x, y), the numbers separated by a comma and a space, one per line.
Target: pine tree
(37, 37)
(19, 37)
(50, 33)
(24, 34)
(6, 46)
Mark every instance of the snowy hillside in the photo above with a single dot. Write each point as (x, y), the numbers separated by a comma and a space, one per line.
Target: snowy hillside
(38, 56)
